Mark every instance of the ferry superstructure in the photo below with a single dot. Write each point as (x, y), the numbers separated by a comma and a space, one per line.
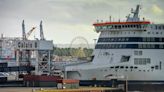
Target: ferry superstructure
(131, 50)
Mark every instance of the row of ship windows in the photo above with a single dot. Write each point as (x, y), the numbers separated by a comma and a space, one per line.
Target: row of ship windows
(126, 67)
(129, 46)
(133, 67)
(131, 39)
(138, 26)
(129, 32)
(142, 61)
(156, 67)
(138, 53)
(158, 27)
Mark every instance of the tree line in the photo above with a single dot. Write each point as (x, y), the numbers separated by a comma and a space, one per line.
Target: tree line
(72, 51)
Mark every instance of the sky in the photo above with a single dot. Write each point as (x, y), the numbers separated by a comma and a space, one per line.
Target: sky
(63, 20)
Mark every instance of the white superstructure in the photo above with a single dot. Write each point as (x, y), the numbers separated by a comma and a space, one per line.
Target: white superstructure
(133, 49)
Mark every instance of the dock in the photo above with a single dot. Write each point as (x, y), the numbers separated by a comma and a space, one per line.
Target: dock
(82, 89)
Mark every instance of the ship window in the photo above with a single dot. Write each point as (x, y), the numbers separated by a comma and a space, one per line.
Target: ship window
(116, 67)
(131, 67)
(157, 33)
(134, 26)
(148, 32)
(160, 46)
(126, 67)
(119, 26)
(123, 39)
(148, 60)
(126, 26)
(125, 58)
(112, 39)
(139, 52)
(104, 27)
(127, 39)
(135, 52)
(144, 39)
(140, 46)
(109, 27)
(124, 46)
(159, 27)
(135, 67)
(139, 26)
(112, 46)
(160, 39)
(119, 39)
(156, 27)
(152, 46)
(99, 27)
(111, 67)
(148, 45)
(121, 66)
(156, 67)
(149, 39)
(115, 26)
(153, 39)
(120, 46)
(152, 67)
(144, 45)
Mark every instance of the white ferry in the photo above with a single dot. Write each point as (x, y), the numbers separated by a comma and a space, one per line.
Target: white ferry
(132, 50)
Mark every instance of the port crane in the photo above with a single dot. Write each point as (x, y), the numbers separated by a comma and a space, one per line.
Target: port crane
(24, 35)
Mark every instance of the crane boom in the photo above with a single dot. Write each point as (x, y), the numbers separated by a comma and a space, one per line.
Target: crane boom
(29, 33)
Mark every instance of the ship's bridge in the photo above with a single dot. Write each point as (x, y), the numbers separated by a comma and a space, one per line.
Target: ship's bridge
(121, 26)
(133, 23)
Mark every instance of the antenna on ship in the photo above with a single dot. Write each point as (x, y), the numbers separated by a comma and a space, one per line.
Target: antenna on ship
(110, 18)
(136, 12)
(135, 15)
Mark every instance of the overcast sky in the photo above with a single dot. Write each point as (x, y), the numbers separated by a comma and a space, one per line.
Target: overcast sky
(64, 20)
